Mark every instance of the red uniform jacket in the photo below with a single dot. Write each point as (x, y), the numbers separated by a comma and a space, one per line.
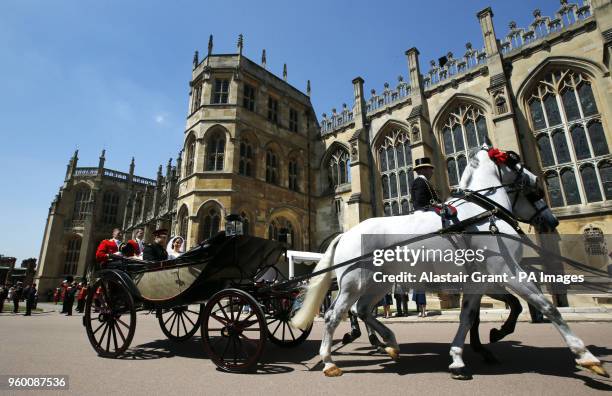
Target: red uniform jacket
(135, 246)
(105, 248)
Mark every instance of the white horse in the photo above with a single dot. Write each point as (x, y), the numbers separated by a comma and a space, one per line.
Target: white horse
(508, 184)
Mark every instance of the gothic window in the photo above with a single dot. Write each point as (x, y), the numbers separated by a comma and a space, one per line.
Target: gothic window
(248, 100)
(273, 110)
(271, 167)
(81, 203)
(138, 208)
(196, 99)
(190, 163)
(73, 250)
(282, 229)
(245, 223)
(221, 93)
(395, 161)
(570, 136)
(465, 128)
(210, 223)
(216, 151)
(110, 207)
(339, 168)
(605, 172)
(182, 221)
(245, 165)
(293, 175)
(293, 120)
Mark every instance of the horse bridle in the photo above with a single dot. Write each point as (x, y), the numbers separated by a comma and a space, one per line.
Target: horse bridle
(517, 185)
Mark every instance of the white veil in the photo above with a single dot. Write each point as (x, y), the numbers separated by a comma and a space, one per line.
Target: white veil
(171, 253)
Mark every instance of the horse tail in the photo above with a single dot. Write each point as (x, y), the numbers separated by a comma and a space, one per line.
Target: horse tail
(317, 288)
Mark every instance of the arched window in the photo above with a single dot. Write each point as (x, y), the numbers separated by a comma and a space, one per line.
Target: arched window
(464, 128)
(110, 207)
(137, 207)
(73, 251)
(339, 167)
(215, 152)
(190, 162)
(293, 175)
(210, 224)
(281, 227)
(183, 221)
(245, 223)
(570, 136)
(81, 203)
(395, 161)
(245, 165)
(271, 167)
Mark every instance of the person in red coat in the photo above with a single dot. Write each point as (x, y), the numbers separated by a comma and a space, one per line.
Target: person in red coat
(109, 246)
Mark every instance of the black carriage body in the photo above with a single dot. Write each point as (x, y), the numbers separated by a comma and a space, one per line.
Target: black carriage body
(222, 262)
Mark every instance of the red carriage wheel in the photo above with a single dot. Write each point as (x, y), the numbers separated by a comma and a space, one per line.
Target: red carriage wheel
(180, 323)
(234, 331)
(110, 317)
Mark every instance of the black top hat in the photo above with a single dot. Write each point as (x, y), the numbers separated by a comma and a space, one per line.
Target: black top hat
(424, 162)
(160, 232)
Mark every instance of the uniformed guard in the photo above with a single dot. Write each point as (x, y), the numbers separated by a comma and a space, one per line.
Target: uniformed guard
(156, 251)
(423, 193)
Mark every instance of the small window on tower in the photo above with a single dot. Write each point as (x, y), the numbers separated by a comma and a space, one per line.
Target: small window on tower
(293, 120)
(248, 101)
(221, 93)
(273, 110)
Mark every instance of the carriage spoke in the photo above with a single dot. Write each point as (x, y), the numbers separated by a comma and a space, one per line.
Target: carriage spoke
(272, 321)
(222, 309)
(284, 324)
(169, 317)
(277, 326)
(183, 321)
(108, 338)
(99, 327)
(120, 333)
(290, 332)
(219, 319)
(114, 337)
(99, 343)
(123, 323)
(193, 312)
(189, 319)
(172, 324)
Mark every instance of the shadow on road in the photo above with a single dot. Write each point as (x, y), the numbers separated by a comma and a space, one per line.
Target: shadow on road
(417, 358)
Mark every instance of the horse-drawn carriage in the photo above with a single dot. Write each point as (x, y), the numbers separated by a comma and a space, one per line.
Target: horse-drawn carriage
(228, 287)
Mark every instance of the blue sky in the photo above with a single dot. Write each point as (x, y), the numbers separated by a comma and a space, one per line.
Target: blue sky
(114, 74)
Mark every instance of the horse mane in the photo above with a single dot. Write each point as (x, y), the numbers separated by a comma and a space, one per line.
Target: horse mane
(473, 163)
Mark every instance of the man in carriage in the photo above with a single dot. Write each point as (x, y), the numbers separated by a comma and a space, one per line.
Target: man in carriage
(109, 246)
(156, 251)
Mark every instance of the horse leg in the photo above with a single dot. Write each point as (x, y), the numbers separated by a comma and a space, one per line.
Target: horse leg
(508, 327)
(534, 296)
(333, 316)
(469, 311)
(364, 310)
(475, 343)
(355, 330)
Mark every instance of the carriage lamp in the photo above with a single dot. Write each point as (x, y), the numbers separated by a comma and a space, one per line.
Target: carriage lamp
(233, 225)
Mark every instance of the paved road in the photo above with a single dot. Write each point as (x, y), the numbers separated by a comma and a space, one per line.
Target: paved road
(534, 361)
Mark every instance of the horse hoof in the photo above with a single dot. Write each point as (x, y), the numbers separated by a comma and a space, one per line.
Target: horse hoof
(460, 373)
(333, 371)
(596, 368)
(394, 353)
(495, 335)
(347, 339)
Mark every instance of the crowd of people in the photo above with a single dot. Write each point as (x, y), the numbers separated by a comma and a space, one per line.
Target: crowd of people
(401, 296)
(18, 293)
